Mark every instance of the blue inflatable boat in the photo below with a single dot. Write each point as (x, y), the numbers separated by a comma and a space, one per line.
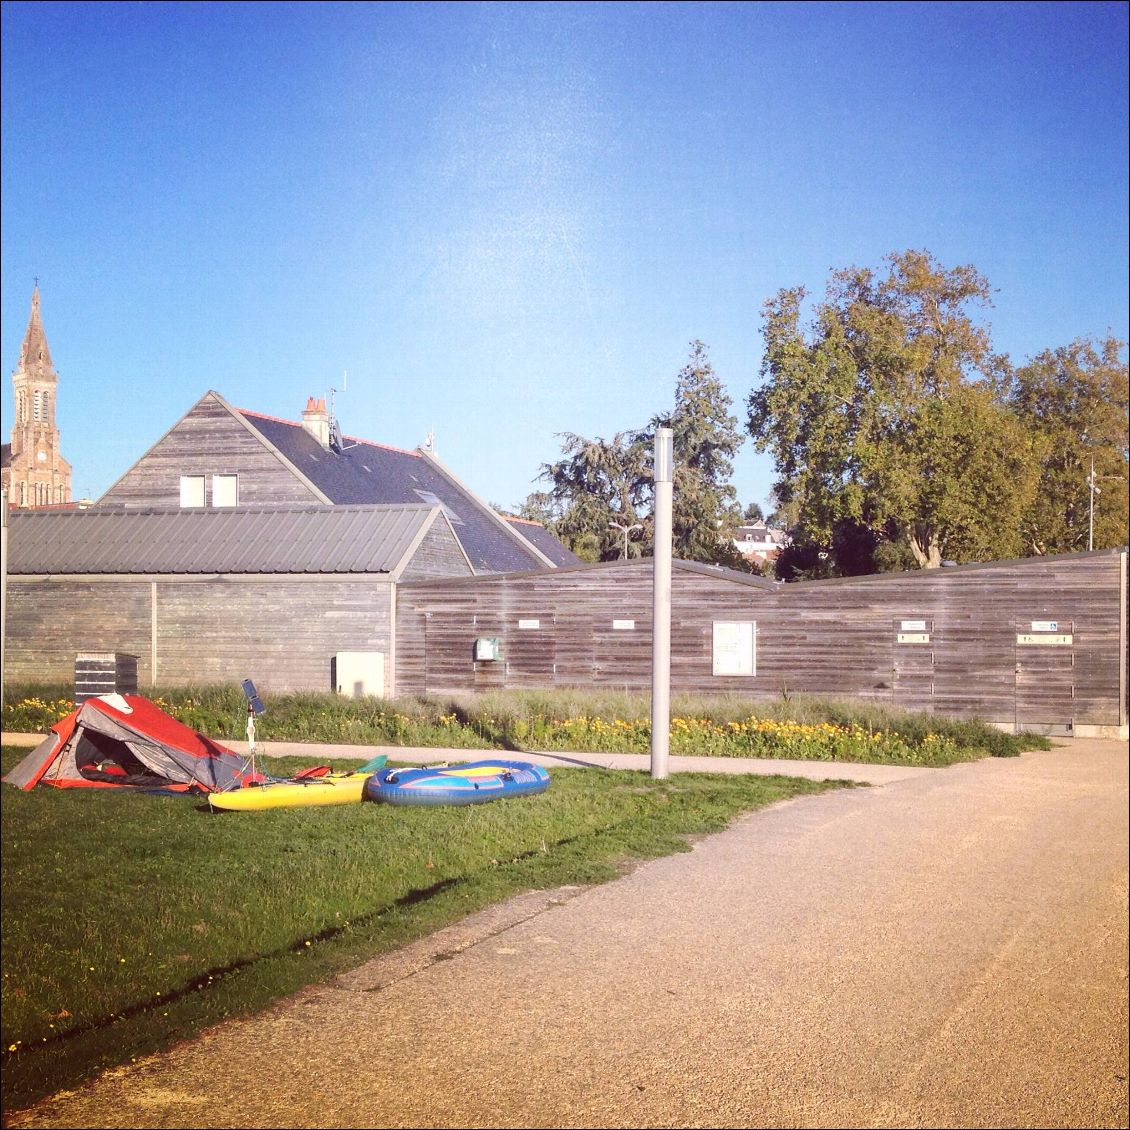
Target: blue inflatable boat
(473, 783)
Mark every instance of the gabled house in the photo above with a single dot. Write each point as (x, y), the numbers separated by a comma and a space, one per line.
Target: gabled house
(756, 541)
(218, 456)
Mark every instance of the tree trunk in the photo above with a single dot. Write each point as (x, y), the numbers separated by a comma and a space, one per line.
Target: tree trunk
(925, 546)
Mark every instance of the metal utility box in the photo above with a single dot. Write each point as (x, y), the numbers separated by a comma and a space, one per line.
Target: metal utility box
(109, 672)
(358, 673)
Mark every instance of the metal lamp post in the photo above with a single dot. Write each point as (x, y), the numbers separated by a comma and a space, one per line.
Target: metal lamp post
(661, 604)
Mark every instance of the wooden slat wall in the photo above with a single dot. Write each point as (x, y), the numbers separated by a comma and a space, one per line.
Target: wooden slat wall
(281, 633)
(438, 555)
(208, 441)
(833, 638)
(49, 623)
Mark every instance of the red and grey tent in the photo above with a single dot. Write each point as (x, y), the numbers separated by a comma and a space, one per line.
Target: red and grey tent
(125, 741)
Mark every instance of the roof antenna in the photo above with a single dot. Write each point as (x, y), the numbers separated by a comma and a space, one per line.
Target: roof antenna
(337, 441)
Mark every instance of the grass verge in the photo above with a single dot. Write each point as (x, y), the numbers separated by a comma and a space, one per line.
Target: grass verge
(791, 727)
(131, 921)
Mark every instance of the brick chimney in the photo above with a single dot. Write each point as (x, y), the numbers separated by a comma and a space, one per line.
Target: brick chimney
(316, 420)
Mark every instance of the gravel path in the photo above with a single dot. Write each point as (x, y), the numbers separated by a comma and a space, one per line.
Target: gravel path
(948, 949)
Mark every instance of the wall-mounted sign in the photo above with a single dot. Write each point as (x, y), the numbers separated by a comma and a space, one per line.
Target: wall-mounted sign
(1047, 639)
(1045, 625)
(487, 647)
(528, 625)
(912, 626)
(914, 637)
(735, 647)
(623, 625)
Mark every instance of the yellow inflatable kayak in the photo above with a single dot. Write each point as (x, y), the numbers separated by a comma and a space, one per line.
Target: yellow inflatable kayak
(333, 788)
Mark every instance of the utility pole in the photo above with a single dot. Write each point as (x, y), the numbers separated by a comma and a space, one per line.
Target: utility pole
(661, 604)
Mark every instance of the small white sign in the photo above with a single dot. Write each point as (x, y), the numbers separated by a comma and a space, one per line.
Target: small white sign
(913, 626)
(914, 637)
(623, 625)
(1045, 625)
(528, 625)
(1047, 640)
(735, 647)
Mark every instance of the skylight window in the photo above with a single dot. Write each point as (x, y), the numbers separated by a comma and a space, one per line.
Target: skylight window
(434, 500)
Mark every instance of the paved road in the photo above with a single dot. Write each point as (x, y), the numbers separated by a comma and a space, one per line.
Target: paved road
(948, 949)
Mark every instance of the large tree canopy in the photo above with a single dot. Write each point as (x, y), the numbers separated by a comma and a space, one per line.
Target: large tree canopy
(882, 417)
(1075, 400)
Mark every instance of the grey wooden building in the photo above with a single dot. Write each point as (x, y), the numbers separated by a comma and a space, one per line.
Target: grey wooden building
(1034, 643)
(284, 596)
(204, 596)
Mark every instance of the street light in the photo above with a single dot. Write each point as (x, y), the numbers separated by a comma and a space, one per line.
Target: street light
(1091, 516)
(627, 531)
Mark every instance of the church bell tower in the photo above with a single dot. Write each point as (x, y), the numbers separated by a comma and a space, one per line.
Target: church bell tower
(35, 474)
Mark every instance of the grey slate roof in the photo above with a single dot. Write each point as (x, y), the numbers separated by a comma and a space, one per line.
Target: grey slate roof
(340, 539)
(363, 472)
(537, 535)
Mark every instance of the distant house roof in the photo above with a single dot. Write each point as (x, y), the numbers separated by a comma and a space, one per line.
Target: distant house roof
(341, 539)
(758, 531)
(359, 472)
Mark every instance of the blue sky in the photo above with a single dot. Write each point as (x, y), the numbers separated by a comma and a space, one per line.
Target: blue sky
(506, 221)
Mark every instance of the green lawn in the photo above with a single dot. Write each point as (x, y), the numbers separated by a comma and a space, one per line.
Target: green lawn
(131, 921)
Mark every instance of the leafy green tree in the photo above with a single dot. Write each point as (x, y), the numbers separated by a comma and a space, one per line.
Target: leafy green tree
(882, 415)
(705, 438)
(537, 507)
(1075, 399)
(598, 488)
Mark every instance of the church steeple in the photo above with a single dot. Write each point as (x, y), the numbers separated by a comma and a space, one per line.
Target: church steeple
(34, 353)
(36, 474)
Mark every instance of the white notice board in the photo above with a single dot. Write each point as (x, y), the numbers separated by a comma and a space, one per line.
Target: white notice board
(735, 647)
